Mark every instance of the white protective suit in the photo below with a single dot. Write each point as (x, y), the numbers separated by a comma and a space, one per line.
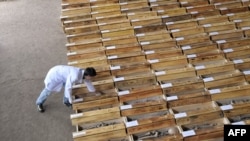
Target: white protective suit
(68, 75)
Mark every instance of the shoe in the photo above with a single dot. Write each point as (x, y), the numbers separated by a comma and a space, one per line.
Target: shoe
(68, 104)
(40, 108)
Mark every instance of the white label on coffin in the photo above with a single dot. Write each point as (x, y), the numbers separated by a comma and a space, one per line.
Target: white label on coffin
(194, 12)
(96, 12)
(246, 72)
(106, 39)
(135, 20)
(123, 3)
(115, 67)
(238, 61)
(99, 17)
(78, 100)
(168, 23)
(118, 79)
(137, 26)
(166, 85)
(170, 98)
(245, 28)
(228, 50)
(165, 16)
(180, 115)
(139, 35)
(208, 79)
(112, 57)
(71, 63)
(223, 8)
(152, 0)
(201, 18)
(150, 52)
(200, 67)
(207, 25)
(217, 4)
(231, 14)
(78, 134)
(92, 0)
(124, 107)
(239, 123)
(100, 24)
(184, 2)
(71, 53)
(213, 33)
(145, 43)
(94, 6)
(189, 7)
(105, 31)
(226, 107)
(154, 5)
(110, 47)
(179, 39)
(237, 21)
(221, 41)
(131, 14)
(214, 91)
(160, 11)
(132, 123)
(175, 30)
(124, 9)
(76, 115)
(191, 56)
(160, 73)
(186, 47)
(123, 92)
(244, 0)
(188, 133)
(153, 61)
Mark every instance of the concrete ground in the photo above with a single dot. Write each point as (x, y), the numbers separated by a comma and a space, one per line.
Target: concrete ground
(31, 42)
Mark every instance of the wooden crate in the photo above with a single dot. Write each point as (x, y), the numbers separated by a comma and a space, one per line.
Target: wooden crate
(204, 14)
(111, 18)
(162, 53)
(229, 92)
(247, 33)
(227, 35)
(115, 25)
(122, 49)
(130, 69)
(204, 130)
(182, 41)
(239, 16)
(142, 15)
(67, 4)
(214, 29)
(200, 8)
(189, 3)
(134, 5)
(128, 60)
(75, 11)
(172, 12)
(176, 18)
(103, 2)
(128, 31)
(84, 47)
(236, 43)
(155, 44)
(146, 21)
(119, 42)
(150, 29)
(213, 20)
(181, 24)
(75, 17)
(105, 126)
(193, 31)
(243, 25)
(86, 57)
(139, 93)
(79, 22)
(194, 113)
(81, 29)
(161, 5)
(231, 4)
(237, 52)
(242, 64)
(205, 59)
(105, 7)
(234, 10)
(200, 49)
(247, 76)
(85, 37)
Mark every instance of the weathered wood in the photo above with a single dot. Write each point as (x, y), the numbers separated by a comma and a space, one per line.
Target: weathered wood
(162, 53)
(207, 59)
(116, 42)
(169, 63)
(234, 10)
(237, 53)
(147, 21)
(142, 15)
(213, 19)
(191, 100)
(201, 8)
(172, 12)
(158, 44)
(218, 27)
(204, 14)
(176, 18)
(236, 43)
(182, 24)
(187, 32)
(185, 3)
(103, 136)
(147, 37)
(226, 35)
(162, 5)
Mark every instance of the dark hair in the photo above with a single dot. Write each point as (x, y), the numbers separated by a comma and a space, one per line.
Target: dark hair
(90, 71)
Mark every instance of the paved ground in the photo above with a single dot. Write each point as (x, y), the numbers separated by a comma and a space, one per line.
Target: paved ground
(31, 41)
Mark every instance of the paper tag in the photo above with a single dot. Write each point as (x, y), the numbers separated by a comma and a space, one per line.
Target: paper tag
(124, 9)
(186, 47)
(238, 61)
(96, 12)
(245, 28)
(226, 107)
(166, 85)
(237, 21)
(223, 8)
(231, 14)
(78, 100)
(214, 91)
(239, 123)
(71, 53)
(112, 57)
(150, 52)
(217, 4)
(213, 33)
(175, 30)
(189, 7)
(180, 115)
(170, 98)
(165, 16)
(154, 5)
(123, 92)
(200, 18)
(118, 79)
(207, 25)
(179, 39)
(99, 17)
(200, 67)
(131, 14)
(135, 20)
(115, 67)
(160, 11)
(221, 41)
(105, 31)
(139, 35)
(137, 26)
(78, 134)
(244, 0)
(160, 73)
(228, 50)
(194, 12)
(191, 56)
(74, 62)
(184, 2)
(110, 47)
(92, 0)
(124, 107)
(208, 79)
(152, 0)
(76, 115)
(132, 123)
(246, 72)
(188, 133)
(168, 23)
(145, 43)
(106, 39)
(123, 3)
(153, 61)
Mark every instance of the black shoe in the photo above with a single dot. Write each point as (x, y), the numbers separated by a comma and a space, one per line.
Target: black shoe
(68, 104)
(40, 108)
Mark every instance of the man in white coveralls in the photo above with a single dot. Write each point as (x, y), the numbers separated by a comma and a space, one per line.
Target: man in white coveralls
(65, 76)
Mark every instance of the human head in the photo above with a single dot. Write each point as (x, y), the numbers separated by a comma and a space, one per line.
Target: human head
(89, 72)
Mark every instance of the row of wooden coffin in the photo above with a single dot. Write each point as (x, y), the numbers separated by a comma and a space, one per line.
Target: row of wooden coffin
(146, 114)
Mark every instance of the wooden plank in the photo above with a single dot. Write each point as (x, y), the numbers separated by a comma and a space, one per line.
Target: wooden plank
(213, 19)
(79, 22)
(236, 43)
(200, 8)
(176, 18)
(187, 32)
(162, 53)
(172, 12)
(120, 41)
(191, 100)
(182, 24)
(103, 136)
(142, 15)
(143, 110)
(204, 14)
(146, 21)
(85, 37)
(218, 27)
(234, 10)
(169, 63)
(232, 34)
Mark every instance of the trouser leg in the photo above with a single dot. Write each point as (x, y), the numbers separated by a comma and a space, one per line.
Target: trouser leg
(43, 96)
